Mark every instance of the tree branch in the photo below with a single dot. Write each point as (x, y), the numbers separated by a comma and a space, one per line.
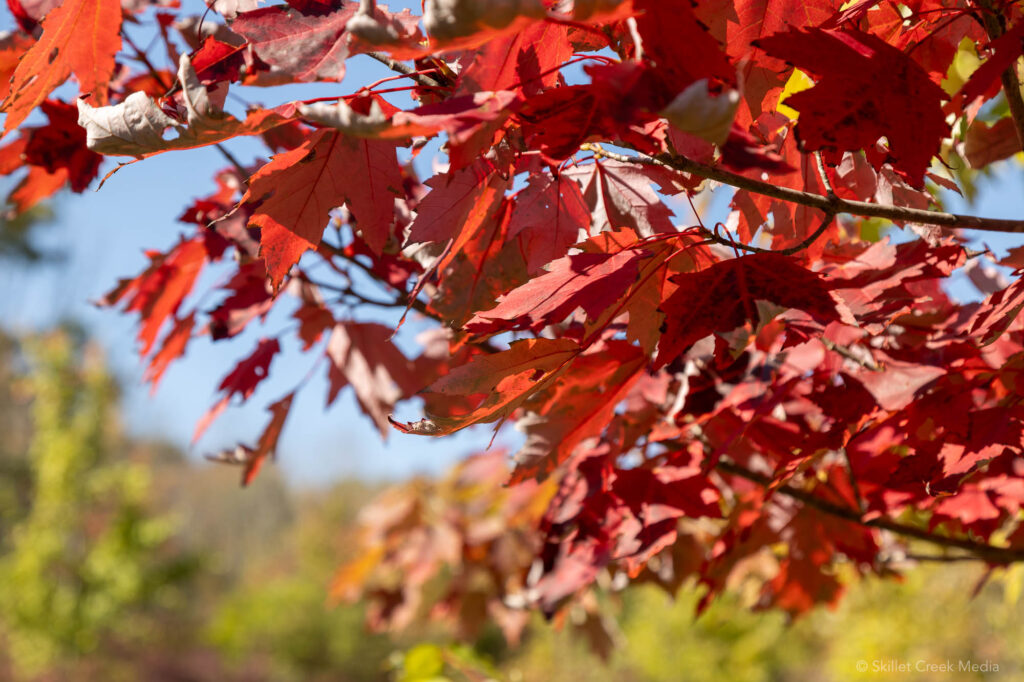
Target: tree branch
(404, 300)
(243, 172)
(995, 27)
(940, 558)
(978, 550)
(403, 69)
(812, 200)
(349, 291)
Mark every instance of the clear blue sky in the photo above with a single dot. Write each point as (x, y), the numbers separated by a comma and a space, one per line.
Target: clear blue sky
(103, 235)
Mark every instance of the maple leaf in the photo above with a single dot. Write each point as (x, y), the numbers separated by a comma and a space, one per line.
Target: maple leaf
(464, 211)
(605, 374)
(251, 298)
(986, 143)
(314, 320)
(469, 121)
(363, 356)
(481, 264)
(843, 111)
(549, 216)
(62, 145)
(453, 199)
(895, 385)
(251, 459)
(998, 312)
(241, 381)
(618, 104)
(296, 191)
(397, 33)
(620, 195)
(739, 25)
(526, 60)
(603, 513)
(1005, 51)
(37, 185)
(305, 47)
(593, 281)
(79, 37)
(697, 112)
(666, 492)
(12, 47)
(157, 293)
(230, 8)
(172, 348)
(497, 383)
(314, 45)
(217, 61)
(268, 439)
(723, 296)
(681, 48)
(448, 20)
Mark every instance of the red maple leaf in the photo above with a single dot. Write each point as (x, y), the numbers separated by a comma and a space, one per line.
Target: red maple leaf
(724, 296)
(593, 281)
(297, 190)
(241, 381)
(61, 144)
(843, 111)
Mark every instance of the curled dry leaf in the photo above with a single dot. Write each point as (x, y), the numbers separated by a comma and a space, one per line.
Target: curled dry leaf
(137, 126)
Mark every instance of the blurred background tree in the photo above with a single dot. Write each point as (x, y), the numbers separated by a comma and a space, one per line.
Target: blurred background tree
(82, 550)
(16, 231)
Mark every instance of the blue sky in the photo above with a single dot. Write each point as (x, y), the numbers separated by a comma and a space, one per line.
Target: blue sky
(103, 235)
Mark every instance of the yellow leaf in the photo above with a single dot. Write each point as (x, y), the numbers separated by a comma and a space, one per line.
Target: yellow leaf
(797, 82)
(964, 64)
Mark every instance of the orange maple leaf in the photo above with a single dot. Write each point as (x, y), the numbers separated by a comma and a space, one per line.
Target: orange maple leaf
(80, 37)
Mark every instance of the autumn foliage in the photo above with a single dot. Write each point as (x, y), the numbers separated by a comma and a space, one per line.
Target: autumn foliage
(697, 400)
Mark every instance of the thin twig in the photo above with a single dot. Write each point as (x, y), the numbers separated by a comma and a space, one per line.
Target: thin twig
(242, 170)
(866, 361)
(823, 174)
(979, 550)
(404, 297)
(813, 200)
(789, 251)
(404, 69)
(349, 291)
(141, 56)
